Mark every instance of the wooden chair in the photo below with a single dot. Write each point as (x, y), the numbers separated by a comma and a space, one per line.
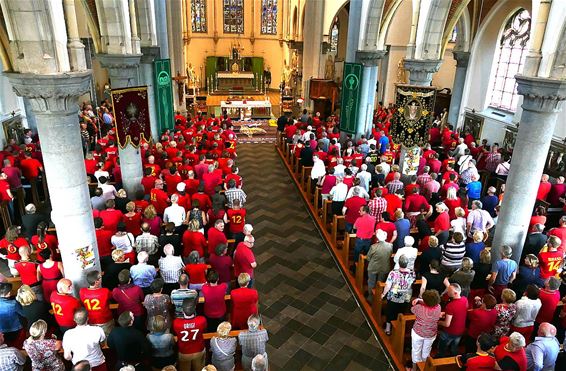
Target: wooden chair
(317, 199)
(34, 191)
(5, 215)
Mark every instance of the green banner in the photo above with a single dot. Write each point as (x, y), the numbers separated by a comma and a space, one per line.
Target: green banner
(350, 100)
(163, 94)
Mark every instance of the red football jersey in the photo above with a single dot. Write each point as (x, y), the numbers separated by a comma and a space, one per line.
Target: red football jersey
(64, 307)
(189, 334)
(97, 303)
(236, 220)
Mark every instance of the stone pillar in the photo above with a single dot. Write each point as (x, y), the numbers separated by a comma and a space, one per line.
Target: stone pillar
(150, 53)
(161, 27)
(421, 70)
(134, 27)
(53, 100)
(123, 72)
(462, 58)
(542, 101)
(312, 39)
(354, 23)
(176, 46)
(76, 48)
(370, 60)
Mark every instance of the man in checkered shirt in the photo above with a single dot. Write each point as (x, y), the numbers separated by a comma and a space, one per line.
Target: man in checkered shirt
(148, 243)
(10, 358)
(395, 184)
(424, 178)
(170, 268)
(493, 158)
(252, 342)
(377, 205)
(233, 193)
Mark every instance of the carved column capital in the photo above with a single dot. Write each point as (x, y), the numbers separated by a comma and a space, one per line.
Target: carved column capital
(51, 93)
(370, 57)
(421, 70)
(462, 58)
(541, 94)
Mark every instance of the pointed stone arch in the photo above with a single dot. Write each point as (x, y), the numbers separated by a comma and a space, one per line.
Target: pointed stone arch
(430, 29)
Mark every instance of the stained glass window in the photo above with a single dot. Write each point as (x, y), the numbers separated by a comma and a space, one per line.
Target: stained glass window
(269, 17)
(334, 36)
(509, 60)
(198, 14)
(233, 16)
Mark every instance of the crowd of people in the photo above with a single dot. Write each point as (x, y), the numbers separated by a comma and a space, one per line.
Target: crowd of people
(170, 255)
(438, 222)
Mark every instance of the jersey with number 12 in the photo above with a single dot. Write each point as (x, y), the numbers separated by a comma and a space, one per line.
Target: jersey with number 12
(97, 303)
(189, 333)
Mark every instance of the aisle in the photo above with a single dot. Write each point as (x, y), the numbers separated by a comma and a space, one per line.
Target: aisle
(313, 320)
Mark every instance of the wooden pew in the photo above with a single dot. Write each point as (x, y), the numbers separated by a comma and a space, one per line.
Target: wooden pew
(317, 198)
(338, 225)
(305, 175)
(309, 186)
(326, 212)
(399, 332)
(438, 364)
(360, 272)
(349, 242)
(377, 303)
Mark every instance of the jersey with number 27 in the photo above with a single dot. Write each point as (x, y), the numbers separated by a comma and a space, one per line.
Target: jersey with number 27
(97, 303)
(189, 333)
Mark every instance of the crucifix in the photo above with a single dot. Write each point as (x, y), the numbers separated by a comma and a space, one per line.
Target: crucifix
(180, 80)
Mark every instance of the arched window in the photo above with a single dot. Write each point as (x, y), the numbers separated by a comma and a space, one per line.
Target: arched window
(269, 17)
(509, 60)
(454, 35)
(233, 16)
(334, 36)
(198, 16)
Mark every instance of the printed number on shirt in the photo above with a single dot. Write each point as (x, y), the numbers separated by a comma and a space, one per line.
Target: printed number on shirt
(92, 304)
(554, 265)
(57, 309)
(236, 219)
(187, 335)
(153, 197)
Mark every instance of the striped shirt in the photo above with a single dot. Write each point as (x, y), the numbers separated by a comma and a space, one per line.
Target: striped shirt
(253, 342)
(426, 322)
(233, 194)
(394, 185)
(377, 206)
(452, 255)
(423, 179)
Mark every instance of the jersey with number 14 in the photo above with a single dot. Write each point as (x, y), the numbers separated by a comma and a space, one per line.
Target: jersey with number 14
(189, 333)
(97, 303)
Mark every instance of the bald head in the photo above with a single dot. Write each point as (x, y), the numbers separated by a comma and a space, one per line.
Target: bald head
(64, 286)
(546, 330)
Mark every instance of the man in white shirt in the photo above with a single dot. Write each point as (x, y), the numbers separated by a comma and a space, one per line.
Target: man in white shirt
(460, 149)
(174, 214)
(338, 195)
(108, 190)
(307, 135)
(83, 341)
(409, 251)
(364, 176)
(100, 173)
(339, 168)
(385, 167)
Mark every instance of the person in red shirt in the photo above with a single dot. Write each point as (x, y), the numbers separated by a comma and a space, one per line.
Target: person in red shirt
(9, 247)
(193, 239)
(442, 223)
(549, 297)
(222, 263)
(158, 197)
(351, 209)
(550, 259)
(481, 360)
(244, 259)
(28, 272)
(560, 232)
(64, 304)
(204, 201)
(196, 271)
(96, 300)
(394, 202)
(111, 217)
(216, 236)
(233, 175)
(481, 320)
(388, 227)
(30, 167)
(214, 303)
(148, 181)
(236, 219)
(543, 188)
(244, 303)
(454, 322)
(510, 353)
(103, 237)
(90, 164)
(189, 331)
(365, 228)
(172, 179)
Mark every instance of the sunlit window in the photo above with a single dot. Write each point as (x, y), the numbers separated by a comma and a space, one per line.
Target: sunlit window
(269, 17)
(233, 16)
(198, 15)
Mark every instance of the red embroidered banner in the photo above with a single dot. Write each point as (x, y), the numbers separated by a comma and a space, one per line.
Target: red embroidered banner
(131, 112)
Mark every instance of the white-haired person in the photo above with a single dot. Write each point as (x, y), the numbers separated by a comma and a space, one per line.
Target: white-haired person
(44, 353)
(174, 214)
(259, 363)
(253, 342)
(441, 223)
(409, 251)
(223, 348)
(170, 268)
(543, 352)
(378, 258)
(143, 274)
(510, 353)
(398, 290)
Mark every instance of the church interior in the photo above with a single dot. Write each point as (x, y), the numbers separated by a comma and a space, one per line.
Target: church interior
(282, 185)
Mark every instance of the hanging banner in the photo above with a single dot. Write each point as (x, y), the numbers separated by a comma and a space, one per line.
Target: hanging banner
(131, 112)
(350, 99)
(163, 94)
(412, 120)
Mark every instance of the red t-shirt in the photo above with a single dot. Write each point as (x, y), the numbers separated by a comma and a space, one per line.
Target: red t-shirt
(196, 272)
(141, 205)
(193, 241)
(510, 361)
(111, 218)
(481, 320)
(90, 166)
(97, 303)
(12, 248)
(30, 168)
(27, 271)
(50, 241)
(549, 301)
(393, 203)
(189, 333)
(243, 258)
(222, 265)
(4, 188)
(133, 223)
(203, 201)
(158, 199)
(64, 307)
(103, 237)
(386, 227)
(214, 303)
(458, 308)
(353, 205)
(236, 220)
(236, 177)
(559, 232)
(365, 226)
(480, 363)
(244, 304)
(549, 263)
(442, 222)
(172, 181)
(215, 238)
(148, 182)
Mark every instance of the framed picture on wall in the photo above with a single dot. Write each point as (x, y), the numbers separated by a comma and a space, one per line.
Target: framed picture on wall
(13, 129)
(474, 124)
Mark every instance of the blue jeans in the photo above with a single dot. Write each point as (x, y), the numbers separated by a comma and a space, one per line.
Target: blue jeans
(447, 344)
(349, 227)
(362, 246)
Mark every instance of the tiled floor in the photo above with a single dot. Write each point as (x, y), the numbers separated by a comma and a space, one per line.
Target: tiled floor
(313, 320)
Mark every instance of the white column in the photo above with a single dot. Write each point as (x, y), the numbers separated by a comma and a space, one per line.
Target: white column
(54, 102)
(123, 72)
(314, 10)
(370, 60)
(542, 101)
(134, 27)
(76, 48)
(146, 66)
(161, 27)
(462, 58)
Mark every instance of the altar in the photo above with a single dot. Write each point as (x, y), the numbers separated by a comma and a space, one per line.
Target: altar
(247, 109)
(235, 80)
